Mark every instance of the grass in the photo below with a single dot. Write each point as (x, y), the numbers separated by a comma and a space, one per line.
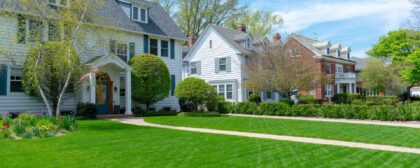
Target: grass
(110, 144)
(399, 136)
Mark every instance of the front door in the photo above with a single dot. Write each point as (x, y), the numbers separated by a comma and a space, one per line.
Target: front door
(102, 97)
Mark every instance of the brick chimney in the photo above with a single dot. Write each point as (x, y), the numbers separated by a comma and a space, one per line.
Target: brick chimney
(242, 28)
(277, 37)
(191, 41)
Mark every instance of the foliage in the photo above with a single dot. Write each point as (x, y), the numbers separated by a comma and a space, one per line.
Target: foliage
(411, 74)
(268, 108)
(288, 101)
(150, 79)
(344, 98)
(307, 99)
(225, 107)
(186, 106)
(213, 104)
(87, 110)
(67, 123)
(139, 112)
(195, 91)
(199, 114)
(254, 98)
(260, 23)
(246, 108)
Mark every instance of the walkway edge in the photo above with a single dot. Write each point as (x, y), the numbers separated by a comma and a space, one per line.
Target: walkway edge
(141, 122)
(350, 121)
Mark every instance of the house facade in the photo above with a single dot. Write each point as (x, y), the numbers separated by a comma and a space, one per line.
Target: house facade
(219, 57)
(332, 60)
(132, 27)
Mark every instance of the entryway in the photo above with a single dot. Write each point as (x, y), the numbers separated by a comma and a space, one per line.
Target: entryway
(104, 93)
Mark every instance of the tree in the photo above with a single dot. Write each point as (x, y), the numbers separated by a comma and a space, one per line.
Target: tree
(379, 76)
(150, 79)
(275, 69)
(411, 74)
(49, 73)
(169, 6)
(195, 91)
(193, 16)
(259, 22)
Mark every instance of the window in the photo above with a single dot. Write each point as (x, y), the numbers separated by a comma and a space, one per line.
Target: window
(248, 43)
(35, 31)
(139, 14)
(222, 90)
(194, 67)
(59, 2)
(328, 90)
(328, 51)
(222, 64)
(338, 53)
(16, 80)
(348, 69)
(122, 92)
(294, 52)
(53, 32)
(339, 69)
(328, 69)
(164, 48)
(21, 35)
(269, 95)
(348, 55)
(154, 46)
(211, 44)
(122, 51)
(229, 91)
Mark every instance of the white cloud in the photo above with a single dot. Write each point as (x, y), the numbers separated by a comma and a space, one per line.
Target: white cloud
(391, 12)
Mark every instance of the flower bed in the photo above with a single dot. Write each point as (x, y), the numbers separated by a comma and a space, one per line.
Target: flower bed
(27, 126)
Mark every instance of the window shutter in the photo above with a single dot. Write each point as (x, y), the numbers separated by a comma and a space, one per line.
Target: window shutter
(146, 44)
(198, 67)
(132, 49)
(217, 65)
(173, 84)
(21, 32)
(172, 49)
(228, 64)
(3, 80)
(112, 46)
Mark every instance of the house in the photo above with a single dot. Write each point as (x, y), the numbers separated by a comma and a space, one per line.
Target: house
(332, 60)
(415, 91)
(137, 26)
(219, 57)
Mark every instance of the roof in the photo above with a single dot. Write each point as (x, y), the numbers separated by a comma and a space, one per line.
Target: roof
(160, 23)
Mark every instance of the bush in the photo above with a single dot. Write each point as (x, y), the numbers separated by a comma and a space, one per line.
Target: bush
(67, 123)
(139, 112)
(195, 91)
(307, 99)
(357, 102)
(212, 105)
(225, 107)
(246, 108)
(273, 108)
(383, 100)
(254, 98)
(344, 98)
(199, 114)
(185, 105)
(288, 101)
(87, 110)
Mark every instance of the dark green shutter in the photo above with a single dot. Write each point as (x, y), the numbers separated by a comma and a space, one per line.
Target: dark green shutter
(172, 49)
(146, 44)
(132, 50)
(112, 46)
(21, 32)
(3, 80)
(173, 83)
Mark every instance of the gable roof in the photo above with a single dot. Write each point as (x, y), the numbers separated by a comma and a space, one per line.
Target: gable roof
(160, 23)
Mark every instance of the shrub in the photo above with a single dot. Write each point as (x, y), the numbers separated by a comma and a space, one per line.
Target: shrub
(344, 98)
(225, 107)
(87, 110)
(357, 102)
(5, 133)
(185, 105)
(67, 123)
(307, 99)
(383, 100)
(273, 108)
(212, 105)
(288, 101)
(199, 114)
(254, 98)
(195, 91)
(246, 108)
(139, 112)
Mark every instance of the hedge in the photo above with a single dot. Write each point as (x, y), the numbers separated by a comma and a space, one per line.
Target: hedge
(383, 112)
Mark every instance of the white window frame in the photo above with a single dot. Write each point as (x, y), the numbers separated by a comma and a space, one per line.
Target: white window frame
(161, 48)
(58, 3)
(224, 64)
(139, 9)
(327, 51)
(338, 53)
(227, 91)
(122, 92)
(328, 90)
(326, 69)
(122, 55)
(348, 55)
(194, 67)
(211, 44)
(13, 69)
(224, 92)
(339, 69)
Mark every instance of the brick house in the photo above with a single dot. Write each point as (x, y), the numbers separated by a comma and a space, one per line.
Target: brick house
(332, 60)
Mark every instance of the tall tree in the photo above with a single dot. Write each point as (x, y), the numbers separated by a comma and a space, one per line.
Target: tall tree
(169, 6)
(193, 16)
(259, 22)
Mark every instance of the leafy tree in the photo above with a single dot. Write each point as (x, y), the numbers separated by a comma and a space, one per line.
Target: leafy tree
(411, 73)
(193, 16)
(259, 22)
(195, 91)
(49, 72)
(150, 79)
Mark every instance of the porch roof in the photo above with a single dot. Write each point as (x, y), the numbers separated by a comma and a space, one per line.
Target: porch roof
(100, 61)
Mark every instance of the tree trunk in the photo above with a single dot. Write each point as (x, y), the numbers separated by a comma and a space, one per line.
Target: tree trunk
(54, 102)
(63, 91)
(50, 112)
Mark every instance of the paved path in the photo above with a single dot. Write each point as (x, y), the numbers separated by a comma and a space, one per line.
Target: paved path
(410, 124)
(141, 122)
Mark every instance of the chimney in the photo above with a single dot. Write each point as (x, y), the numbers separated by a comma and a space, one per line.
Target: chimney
(242, 28)
(191, 41)
(277, 37)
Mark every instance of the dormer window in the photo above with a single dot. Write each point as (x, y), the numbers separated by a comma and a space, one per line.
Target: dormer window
(63, 3)
(338, 53)
(327, 51)
(140, 14)
(348, 55)
(248, 44)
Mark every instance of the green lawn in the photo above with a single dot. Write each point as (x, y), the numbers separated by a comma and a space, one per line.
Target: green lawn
(399, 136)
(110, 144)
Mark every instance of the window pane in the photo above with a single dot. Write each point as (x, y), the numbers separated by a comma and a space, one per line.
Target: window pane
(122, 51)
(164, 48)
(135, 13)
(154, 46)
(143, 15)
(269, 95)
(35, 31)
(229, 92)
(53, 32)
(15, 80)
(222, 90)
(194, 68)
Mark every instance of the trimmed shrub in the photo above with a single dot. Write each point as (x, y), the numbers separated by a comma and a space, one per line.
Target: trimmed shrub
(195, 91)
(383, 100)
(225, 107)
(267, 108)
(212, 105)
(307, 99)
(357, 102)
(139, 112)
(288, 101)
(87, 110)
(199, 114)
(254, 98)
(246, 108)
(344, 98)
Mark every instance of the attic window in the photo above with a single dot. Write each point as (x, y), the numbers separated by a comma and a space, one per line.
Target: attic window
(140, 14)
(248, 44)
(348, 55)
(328, 51)
(338, 53)
(63, 3)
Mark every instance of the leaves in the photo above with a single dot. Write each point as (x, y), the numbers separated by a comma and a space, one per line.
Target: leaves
(259, 23)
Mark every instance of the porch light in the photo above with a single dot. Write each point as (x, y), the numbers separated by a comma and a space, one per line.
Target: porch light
(115, 89)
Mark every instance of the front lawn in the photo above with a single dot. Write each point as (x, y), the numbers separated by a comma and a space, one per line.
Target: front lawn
(399, 136)
(111, 144)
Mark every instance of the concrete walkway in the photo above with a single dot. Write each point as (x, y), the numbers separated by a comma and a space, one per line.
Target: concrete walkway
(410, 124)
(141, 122)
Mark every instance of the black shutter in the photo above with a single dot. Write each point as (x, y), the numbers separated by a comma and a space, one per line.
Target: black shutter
(146, 44)
(3, 80)
(132, 50)
(112, 46)
(172, 49)
(173, 84)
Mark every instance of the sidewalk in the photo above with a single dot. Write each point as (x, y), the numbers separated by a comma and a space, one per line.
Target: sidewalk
(410, 124)
(141, 122)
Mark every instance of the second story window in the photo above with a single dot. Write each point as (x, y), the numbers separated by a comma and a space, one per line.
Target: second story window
(153, 46)
(122, 51)
(140, 14)
(222, 64)
(34, 31)
(53, 32)
(328, 69)
(164, 48)
(211, 44)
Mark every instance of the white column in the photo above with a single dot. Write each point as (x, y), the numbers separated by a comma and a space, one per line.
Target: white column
(128, 92)
(338, 88)
(92, 87)
(351, 88)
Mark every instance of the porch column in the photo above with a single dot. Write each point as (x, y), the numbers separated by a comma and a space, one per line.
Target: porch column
(338, 88)
(92, 87)
(351, 88)
(128, 92)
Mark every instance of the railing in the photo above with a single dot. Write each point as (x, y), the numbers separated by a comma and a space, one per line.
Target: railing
(349, 75)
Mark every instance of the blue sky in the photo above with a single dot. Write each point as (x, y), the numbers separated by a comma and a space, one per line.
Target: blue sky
(356, 23)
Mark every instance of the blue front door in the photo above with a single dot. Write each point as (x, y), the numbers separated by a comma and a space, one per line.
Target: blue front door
(102, 97)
